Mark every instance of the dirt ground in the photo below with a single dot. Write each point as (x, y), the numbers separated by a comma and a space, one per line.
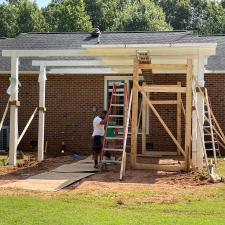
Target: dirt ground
(108, 179)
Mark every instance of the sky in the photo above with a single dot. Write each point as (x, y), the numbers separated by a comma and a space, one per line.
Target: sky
(41, 3)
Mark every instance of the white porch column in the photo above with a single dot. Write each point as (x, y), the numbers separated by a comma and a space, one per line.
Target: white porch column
(41, 125)
(13, 92)
(197, 148)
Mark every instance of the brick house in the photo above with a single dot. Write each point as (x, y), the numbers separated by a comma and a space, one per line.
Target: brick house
(72, 99)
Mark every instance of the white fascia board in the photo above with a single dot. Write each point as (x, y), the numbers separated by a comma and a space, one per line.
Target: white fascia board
(43, 53)
(60, 63)
(151, 45)
(90, 71)
(214, 71)
(165, 52)
(20, 72)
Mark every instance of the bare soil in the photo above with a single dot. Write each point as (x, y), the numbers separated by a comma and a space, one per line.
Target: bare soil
(108, 180)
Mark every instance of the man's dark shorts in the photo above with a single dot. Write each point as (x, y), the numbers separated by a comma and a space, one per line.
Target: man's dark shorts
(97, 143)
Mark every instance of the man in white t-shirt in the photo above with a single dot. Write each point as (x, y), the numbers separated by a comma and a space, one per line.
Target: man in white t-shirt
(98, 133)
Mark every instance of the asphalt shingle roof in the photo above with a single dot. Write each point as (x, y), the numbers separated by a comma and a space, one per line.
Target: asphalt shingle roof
(76, 40)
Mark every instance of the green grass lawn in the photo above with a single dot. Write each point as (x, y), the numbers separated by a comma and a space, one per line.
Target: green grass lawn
(203, 207)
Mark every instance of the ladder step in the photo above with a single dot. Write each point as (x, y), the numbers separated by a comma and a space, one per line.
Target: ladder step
(211, 149)
(119, 116)
(117, 90)
(118, 95)
(208, 142)
(118, 105)
(115, 126)
(206, 126)
(114, 138)
(113, 149)
(111, 161)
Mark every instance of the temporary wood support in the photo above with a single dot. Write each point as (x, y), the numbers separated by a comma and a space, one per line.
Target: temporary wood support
(41, 124)
(13, 137)
(171, 168)
(163, 66)
(144, 111)
(134, 115)
(164, 102)
(188, 113)
(27, 126)
(159, 117)
(164, 88)
(4, 115)
(179, 118)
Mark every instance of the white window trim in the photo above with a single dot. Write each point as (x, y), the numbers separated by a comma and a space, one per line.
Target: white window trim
(126, 79)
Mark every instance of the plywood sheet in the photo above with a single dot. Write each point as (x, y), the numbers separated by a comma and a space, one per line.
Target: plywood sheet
(48, 181)
(57, 178)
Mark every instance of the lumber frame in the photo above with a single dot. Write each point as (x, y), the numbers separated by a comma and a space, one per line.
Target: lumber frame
(163, 66)
(179, 112)
(164, 88)
(178, 89)
(171, 168)
(159, 117)
(144, 111)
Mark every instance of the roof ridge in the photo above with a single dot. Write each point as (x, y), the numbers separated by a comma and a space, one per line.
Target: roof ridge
(112, 32)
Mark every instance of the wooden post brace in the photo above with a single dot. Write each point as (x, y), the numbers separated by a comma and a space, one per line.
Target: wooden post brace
(15, 103)
(42, 109)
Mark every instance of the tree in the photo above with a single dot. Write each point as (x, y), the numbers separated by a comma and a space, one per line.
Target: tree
(141, 15)
(178, 12)
(67, 16)
(215, 23)
(8, 23)
(29, 17)
(102, 13)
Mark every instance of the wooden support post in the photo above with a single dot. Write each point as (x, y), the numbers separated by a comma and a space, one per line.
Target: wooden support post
(143, 125)
(41, 125)
(188, 113)
(134, 115)
(179, 111)
(13, 137)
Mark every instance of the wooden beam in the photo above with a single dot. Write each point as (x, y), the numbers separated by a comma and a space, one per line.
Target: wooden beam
(134, 115)
(164, 88)
(179, 111)
(163, 66)
(164, 102)
(159, 117)
(144, 106)
(188, 113)
(171, 168)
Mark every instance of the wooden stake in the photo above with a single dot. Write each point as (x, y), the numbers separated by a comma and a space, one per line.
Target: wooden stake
(134, 115)
(179, 111)
(188, 113)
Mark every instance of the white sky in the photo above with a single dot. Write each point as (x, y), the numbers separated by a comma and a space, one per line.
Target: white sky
(41, 3)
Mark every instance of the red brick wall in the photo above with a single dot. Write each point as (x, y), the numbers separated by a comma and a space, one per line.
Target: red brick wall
(70, 100)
